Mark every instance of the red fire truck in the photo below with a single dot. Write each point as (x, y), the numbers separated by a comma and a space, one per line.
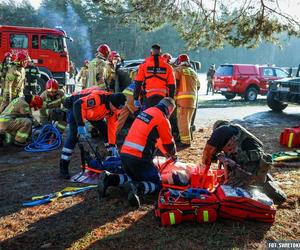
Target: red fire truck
(46, 47)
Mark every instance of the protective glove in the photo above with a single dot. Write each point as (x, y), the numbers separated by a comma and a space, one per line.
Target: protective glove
(83, 135)
(137, 103)
(113, 150)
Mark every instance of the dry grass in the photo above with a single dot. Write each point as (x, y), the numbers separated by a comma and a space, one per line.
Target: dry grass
(83, 222)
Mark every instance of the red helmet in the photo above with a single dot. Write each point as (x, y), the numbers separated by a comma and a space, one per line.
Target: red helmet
(114, 55)
(36, 102)
(183, 58)
(167, 57)
(13, 57)
(21, 56)
(52, 85)
(104, 50)
(7, 54)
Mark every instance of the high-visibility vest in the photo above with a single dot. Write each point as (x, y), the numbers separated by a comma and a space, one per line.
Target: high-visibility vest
(149, 125)
(156, 79)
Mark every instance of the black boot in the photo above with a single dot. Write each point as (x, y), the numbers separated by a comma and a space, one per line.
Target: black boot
(2, 140)
(103, 184)
(64, 169)
(20, 144)
(133, 198)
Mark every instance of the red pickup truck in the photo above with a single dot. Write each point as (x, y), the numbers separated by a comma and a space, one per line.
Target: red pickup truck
(246, 80)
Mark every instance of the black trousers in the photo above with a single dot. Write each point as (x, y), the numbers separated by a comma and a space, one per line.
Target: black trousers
(151, 101)
(140, 170)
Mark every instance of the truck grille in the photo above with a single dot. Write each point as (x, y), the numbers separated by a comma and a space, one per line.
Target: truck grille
(293, 87)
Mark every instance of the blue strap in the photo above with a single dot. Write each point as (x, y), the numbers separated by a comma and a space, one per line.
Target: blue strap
(47, 198)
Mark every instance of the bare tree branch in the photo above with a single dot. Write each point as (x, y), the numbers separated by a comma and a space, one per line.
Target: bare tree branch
(211, 25)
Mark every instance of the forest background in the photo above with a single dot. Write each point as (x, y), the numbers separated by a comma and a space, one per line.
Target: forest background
(85, 22)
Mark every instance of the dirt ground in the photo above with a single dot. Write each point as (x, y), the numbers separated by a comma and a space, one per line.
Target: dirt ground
(82, 222)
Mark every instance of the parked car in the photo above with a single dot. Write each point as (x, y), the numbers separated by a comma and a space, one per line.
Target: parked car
(245, 80)
(129, 65)
(284, 91)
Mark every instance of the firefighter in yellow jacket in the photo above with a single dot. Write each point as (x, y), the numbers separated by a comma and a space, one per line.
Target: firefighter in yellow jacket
(53, 99)
(129, 108)
(17, 119)
(4, 66)
(111, 71)
(32, 74)
(83, 74)
(97, 68)
(14, 80)
(187, 86)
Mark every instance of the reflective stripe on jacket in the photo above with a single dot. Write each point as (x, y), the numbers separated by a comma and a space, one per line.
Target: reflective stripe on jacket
(149, 126)
(156, 79)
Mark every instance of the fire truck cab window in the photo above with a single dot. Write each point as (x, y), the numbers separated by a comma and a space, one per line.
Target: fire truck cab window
(53, 43)
(18, 41)
(35, 41)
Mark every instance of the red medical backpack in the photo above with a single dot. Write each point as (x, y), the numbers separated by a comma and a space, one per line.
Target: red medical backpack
(173, 208)
(235, 204)
(290, 137)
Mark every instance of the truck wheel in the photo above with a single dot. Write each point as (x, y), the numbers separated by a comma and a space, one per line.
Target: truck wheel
(41, 86)
(251, 94)
(229, 96)
(275, 105)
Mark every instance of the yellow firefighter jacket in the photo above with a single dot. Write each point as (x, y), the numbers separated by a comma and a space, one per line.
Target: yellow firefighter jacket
(187, 86)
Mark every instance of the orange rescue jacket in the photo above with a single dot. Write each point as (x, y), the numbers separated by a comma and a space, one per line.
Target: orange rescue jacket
(155, 83)
(149, 126)
(95, 107)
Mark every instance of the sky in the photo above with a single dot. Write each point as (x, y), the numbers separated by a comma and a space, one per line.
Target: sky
(34, 3)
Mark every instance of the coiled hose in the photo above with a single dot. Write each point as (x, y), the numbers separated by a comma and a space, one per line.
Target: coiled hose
(45, 139)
